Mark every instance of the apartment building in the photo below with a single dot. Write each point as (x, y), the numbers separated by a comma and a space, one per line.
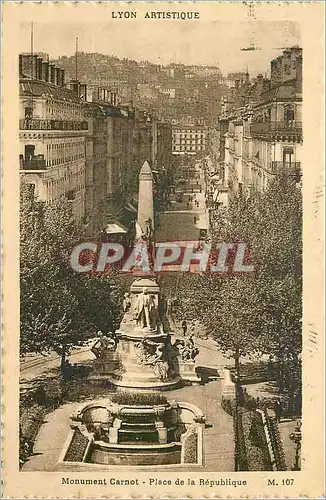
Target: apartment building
(189, 139)
(52, 132)
(265, 134)
(77, 142)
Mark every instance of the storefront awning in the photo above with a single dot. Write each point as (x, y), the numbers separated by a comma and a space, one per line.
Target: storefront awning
(115, 229)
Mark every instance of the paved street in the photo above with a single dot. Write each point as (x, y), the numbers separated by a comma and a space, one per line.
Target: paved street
(34, 365)
(178, 224)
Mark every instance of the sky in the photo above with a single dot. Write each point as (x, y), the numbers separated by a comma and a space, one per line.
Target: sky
(210, 42)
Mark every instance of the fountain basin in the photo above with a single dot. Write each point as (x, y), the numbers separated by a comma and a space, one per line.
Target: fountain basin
(114, 434)
(110, 454)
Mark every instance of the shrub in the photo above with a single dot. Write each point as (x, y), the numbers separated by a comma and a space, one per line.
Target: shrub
(257, 433)
(190, 448)
(31, 419)
(228, 406)
(76, 447)
(255, 372)
(241, 459)
(138, 399)
(255, 442)
(249, 402)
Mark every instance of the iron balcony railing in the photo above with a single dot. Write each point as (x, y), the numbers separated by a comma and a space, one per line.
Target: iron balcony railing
(293, 168)
(38, 124)
(273, 128)
(32, 164)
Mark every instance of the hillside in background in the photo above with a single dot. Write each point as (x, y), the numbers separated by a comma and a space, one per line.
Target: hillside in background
(173, 91)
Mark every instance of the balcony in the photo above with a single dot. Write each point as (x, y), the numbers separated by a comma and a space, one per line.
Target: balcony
(38, 124)
(293, 168)
(34, 163)
(277, 130)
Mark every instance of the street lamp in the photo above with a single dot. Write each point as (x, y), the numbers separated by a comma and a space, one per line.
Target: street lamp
(296, 437)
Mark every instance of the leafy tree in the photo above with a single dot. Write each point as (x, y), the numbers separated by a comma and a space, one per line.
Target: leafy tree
(59, 307)
(278, 260)
(262, 312)
(232, 318)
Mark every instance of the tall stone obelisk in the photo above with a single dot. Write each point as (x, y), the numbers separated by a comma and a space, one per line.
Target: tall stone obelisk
(143, 357)
(145, 197)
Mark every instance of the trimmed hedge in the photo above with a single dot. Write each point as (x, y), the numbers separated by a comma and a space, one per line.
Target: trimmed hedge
(31, 420)
(77, 447)
(251, 451)
(190, 448)
(138, 399)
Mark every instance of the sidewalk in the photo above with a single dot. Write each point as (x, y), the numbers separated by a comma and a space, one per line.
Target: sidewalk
(218, 436)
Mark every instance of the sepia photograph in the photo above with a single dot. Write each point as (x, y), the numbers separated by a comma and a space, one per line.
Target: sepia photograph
(160, 169)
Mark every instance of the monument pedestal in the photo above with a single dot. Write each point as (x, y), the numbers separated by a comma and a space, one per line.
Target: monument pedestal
(143, 358)
(187, 371)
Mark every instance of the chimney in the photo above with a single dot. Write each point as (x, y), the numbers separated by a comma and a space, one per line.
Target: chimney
(39, 68)
(286, 66)
(276, 71)
(62, 77)
(57, 76)
(74, 85)
(45, 71)
(259, 84)
(52, 73)
(29, 65)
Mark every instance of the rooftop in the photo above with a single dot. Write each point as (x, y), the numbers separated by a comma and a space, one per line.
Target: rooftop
(37, 88)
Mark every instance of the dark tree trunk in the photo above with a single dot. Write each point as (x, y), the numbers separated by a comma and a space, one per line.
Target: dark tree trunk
(237, 364)
(63, 361)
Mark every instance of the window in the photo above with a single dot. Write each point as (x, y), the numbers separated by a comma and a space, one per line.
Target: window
(288, 155)
(288, 113)
(28, 112)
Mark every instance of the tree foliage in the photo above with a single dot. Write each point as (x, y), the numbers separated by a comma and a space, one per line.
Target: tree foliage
(59, 307)
(260, 312)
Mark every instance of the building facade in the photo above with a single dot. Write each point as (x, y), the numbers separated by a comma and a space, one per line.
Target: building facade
(265, 135)
(189, 139)
(77, 142)
(52, 134)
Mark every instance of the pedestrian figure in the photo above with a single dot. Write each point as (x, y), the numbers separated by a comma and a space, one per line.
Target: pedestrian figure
(278, 409)
(195, 220)
(187, 204)
(184, 327)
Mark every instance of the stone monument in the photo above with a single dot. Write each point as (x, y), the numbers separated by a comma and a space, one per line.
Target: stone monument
(140, 354)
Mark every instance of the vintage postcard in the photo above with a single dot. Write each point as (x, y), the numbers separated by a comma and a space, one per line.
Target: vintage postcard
(163, 249)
